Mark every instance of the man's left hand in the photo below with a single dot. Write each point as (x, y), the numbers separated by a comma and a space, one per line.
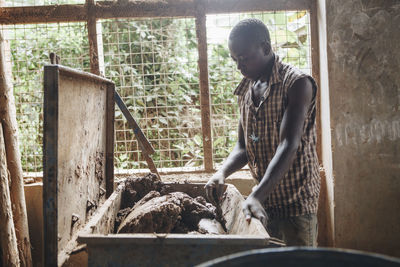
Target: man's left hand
(252, 207)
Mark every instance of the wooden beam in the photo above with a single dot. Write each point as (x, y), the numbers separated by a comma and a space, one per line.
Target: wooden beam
(315, 72)
(8, 239)
(141, 9)
(50, 166)
(110, 113)
(205, 101)
(42, 14)
(232, 6)
(78, 74)
(145, 145)
(8, 120)
(92, 35)
(325, 234)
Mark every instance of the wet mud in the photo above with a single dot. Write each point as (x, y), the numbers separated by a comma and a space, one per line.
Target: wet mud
(147, 208)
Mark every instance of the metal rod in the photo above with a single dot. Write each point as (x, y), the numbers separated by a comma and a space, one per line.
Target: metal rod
(142, 140)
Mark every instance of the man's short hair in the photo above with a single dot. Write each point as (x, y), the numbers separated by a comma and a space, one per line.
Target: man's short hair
(251, 29)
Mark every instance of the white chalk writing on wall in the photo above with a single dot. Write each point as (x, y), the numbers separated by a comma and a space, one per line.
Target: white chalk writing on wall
(376, 131)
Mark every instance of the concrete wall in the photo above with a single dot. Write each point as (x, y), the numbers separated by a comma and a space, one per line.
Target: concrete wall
(363, 39)
(34, 207)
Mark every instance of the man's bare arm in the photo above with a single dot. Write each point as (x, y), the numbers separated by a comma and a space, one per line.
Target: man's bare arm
(299, 99)
(236, 160)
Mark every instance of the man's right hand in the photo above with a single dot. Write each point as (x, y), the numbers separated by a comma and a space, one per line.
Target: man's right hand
(214, 188)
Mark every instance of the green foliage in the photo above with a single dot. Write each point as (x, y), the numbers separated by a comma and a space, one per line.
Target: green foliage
(30, 47)
(154, 65)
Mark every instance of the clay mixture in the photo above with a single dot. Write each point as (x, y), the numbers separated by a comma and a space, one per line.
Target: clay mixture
(146, 207)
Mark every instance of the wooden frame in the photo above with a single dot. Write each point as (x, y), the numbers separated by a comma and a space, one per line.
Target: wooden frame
(57, 185)
(106, 248)
(91, 11)
(136, 9)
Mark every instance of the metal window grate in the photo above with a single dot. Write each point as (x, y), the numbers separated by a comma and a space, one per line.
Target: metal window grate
(30, 46)
(154, 65)
(290, 37)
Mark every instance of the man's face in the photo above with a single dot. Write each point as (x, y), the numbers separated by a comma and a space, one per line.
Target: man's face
(250, 58)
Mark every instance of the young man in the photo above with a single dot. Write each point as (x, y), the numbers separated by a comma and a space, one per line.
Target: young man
(276, 138)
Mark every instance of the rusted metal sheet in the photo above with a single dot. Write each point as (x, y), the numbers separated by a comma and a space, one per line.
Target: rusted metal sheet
(110, 123)
(78, 155)
(50, 164)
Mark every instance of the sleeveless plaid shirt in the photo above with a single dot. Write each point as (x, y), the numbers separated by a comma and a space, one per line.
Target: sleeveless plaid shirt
(297, 192)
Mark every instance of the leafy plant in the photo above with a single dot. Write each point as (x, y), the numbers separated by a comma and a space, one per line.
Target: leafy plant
(153, 63)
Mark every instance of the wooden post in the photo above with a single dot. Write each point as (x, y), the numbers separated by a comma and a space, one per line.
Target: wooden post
(10, 130)
(315, 71)
(92, 34)
(325, 222)
(8, 239)
(205, 104)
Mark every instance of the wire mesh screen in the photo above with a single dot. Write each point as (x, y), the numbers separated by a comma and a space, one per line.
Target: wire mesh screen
(30, 46)
(290, 37)
(11, 3)
(154, 65)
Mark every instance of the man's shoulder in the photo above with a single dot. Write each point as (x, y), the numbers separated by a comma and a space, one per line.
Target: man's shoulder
(289, 74)
(242, 87)
(287, 71)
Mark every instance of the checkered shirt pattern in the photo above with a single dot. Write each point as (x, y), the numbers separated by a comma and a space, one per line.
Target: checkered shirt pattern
(297, 193)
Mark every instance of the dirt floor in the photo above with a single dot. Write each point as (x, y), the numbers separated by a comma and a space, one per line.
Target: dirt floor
(146, 207)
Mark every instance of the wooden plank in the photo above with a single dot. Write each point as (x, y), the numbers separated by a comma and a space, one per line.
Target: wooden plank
(315, 73)
(141, 9)
(50, 165)
(82, 129)
(144, 144)
(232, 6)
(205, 101)
(9, 255)
(142, 140)
(151, 165)
(79, 150)
(105, 248)
(110, 139)
(103, 221)
(42, 14)
(8, 118)
(78, 74)
(144, 9)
